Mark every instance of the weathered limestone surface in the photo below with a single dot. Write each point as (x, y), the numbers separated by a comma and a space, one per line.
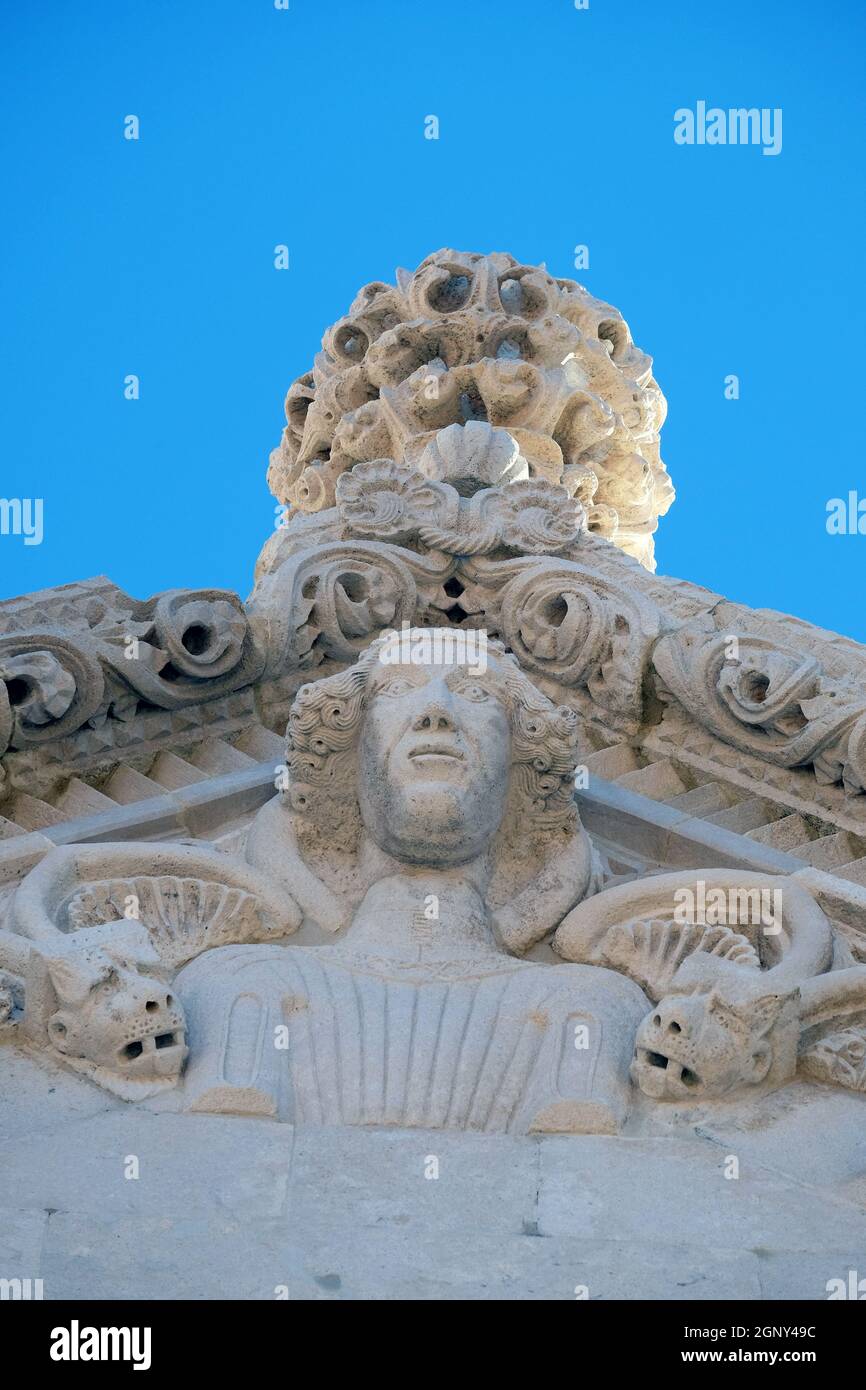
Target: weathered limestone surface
(470, 338)
(471, 913)
(345, 1213)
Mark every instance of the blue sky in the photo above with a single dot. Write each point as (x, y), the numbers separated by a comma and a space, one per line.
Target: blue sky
(306, 127)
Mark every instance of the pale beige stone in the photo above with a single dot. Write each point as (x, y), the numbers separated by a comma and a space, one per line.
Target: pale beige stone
(468, 338)
(410, 940)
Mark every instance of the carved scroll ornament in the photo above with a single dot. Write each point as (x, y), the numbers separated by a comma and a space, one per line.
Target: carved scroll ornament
(172, 651)
(777, 704)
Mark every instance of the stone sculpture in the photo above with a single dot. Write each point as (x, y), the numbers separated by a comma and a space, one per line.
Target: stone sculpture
(735, 1005)
(433, 809)
(470, 338)
(97, 931)
(425, 840)
(416, 928)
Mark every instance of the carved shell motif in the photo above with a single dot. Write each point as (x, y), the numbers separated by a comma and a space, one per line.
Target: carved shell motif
(650, 952)
(183, 916)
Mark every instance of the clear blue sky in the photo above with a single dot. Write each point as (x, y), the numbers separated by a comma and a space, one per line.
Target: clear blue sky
(305, 127)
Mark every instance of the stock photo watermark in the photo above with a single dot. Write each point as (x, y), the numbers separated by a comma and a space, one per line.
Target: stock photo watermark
(418, 646)
(22, 516)
(846, 516)
(21, 1290)
(739, 125)
(77, 1343)
(720, 907)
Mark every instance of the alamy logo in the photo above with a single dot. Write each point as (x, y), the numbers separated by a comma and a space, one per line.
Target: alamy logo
(720, 907)
(22, 516)
(738, 125)
(851, 1288)
(77, 1343)
(421, 646)
(20, 1289)
(846, 516)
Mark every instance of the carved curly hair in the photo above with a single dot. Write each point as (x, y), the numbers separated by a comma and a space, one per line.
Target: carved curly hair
(325, 722)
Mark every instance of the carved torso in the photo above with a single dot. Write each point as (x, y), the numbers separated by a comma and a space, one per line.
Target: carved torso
(327, 1036)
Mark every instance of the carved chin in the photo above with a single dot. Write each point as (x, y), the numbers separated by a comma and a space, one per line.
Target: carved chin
(432, 839)
(434, 822)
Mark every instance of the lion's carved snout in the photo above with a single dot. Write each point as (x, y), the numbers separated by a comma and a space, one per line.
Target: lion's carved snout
(702, 1046)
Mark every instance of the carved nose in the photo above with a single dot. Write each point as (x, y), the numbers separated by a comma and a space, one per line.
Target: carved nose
(671, 1016)
(158, 999)
(436, 720)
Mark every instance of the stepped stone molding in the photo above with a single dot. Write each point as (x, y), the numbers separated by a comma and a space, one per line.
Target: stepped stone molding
(797, 789)
(468, 338)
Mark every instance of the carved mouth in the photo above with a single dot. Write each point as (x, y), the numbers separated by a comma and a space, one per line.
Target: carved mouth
(657, 1067)
(435, 752)
(168, 1047)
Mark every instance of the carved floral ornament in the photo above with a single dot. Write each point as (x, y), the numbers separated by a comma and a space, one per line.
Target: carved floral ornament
(564, 622)
(380, 501)
(408, 547)
(501, 558)
(471, 339)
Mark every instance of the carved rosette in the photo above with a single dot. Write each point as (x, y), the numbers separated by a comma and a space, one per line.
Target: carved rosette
(379, 501)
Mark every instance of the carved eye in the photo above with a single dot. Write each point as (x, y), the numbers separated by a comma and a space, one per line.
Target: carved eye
(397, 685)
(472, 691)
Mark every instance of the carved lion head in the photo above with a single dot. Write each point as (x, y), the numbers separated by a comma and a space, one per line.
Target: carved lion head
(704, 1045)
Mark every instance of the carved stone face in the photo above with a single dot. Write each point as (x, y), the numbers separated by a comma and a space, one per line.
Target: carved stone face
(435, 762)
(701, 1046)
(116, 1018)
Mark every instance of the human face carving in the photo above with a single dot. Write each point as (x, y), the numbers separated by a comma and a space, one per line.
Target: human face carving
(435, 761)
